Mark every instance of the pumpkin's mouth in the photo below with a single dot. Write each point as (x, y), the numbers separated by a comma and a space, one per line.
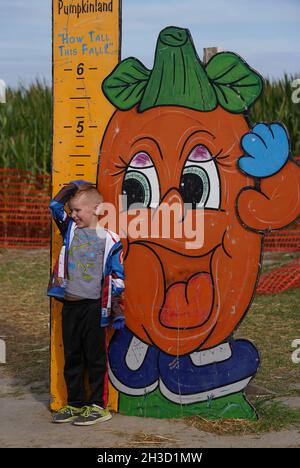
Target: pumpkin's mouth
(189, 293)
(188, 304)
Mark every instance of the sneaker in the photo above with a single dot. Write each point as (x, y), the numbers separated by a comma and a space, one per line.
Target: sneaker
(133, 365)
(92, 415)
(193, 378)
(66, 414)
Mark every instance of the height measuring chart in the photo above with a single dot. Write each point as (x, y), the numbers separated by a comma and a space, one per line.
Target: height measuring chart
(86, 48)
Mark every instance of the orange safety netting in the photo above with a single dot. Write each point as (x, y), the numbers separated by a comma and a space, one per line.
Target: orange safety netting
(25, 220)
(24, 216)
(281, 279)
(285, 239)
(25, 223)
(287, 276)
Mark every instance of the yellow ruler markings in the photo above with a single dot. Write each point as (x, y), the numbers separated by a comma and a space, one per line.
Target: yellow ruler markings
(86, 48)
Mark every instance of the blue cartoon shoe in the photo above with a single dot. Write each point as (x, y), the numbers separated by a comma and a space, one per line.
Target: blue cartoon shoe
(208, 374)
(133, 365)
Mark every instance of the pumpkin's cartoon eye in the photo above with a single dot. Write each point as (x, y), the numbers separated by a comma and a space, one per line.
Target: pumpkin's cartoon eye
(140, 183)
(199, 182)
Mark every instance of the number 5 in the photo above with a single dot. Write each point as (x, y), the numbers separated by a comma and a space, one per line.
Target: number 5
(80, 126)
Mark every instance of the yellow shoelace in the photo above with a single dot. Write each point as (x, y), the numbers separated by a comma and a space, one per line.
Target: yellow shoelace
(65, 409)
(86, 410)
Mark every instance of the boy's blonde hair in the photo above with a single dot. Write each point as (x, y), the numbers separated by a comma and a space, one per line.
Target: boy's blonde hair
(90, 193)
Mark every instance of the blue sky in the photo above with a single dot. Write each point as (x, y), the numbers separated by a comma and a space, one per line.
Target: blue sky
(265, 33)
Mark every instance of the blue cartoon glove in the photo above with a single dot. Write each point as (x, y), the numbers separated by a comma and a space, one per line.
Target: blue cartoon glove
(118, 323)
(266, 150)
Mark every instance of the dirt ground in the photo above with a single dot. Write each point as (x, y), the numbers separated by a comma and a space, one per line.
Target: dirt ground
(26, 422)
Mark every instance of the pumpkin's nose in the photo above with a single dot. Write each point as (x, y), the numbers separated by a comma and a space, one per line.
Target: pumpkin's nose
(169, 216)
(175, 202)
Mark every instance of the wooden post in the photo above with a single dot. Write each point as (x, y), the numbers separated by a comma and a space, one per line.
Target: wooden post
(208, 52)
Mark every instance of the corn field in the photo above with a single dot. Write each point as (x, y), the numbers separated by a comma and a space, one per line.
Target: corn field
(25, 122)
(25, 128)
(276, 104)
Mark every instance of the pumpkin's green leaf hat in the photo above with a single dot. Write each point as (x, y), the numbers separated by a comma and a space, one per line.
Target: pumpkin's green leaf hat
(178, 78)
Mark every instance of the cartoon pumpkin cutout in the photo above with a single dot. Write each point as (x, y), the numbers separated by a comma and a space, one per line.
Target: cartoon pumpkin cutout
(180, 135)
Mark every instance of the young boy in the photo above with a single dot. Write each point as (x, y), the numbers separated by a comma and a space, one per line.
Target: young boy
(89, 278)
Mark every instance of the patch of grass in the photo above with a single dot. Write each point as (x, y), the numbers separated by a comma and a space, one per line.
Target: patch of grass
(25, 313)
(272, 323)
(273, 417)
(276, 259)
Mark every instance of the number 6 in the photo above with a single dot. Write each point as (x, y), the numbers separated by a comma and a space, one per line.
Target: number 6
(80, 69)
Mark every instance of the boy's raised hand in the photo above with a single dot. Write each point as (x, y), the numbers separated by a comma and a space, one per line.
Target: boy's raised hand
(69, 190)
(66, 193)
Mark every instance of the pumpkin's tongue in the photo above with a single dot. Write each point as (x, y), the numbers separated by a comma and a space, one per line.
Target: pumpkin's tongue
(178, 77)
(188, 305)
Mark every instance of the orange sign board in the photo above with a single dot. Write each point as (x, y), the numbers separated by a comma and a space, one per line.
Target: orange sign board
(86, 48)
